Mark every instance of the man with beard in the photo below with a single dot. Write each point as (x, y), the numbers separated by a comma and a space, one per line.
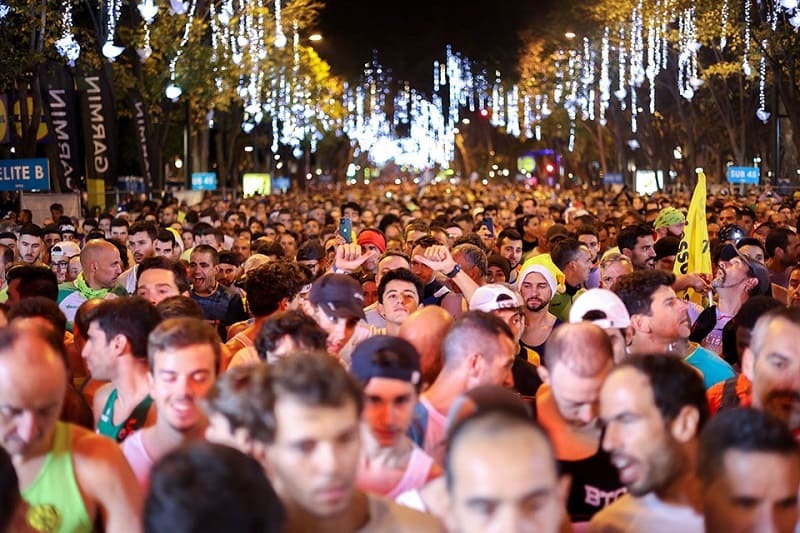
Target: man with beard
(509, 244)
(738, 277)
(31, 245)
(579, 358)
(636, 242)
(660, 323)
(141, 241)
(183, 355)
(537, 285)
(670, 221)
(772, 364)
(653, 408)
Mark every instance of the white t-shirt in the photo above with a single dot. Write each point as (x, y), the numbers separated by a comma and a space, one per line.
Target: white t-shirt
(631, 514)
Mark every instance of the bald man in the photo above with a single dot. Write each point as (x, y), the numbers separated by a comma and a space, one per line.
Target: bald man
(69, 476)
(425, 329)
(101, 267)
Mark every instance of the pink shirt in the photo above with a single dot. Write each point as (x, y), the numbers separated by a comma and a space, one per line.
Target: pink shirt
(137, 456)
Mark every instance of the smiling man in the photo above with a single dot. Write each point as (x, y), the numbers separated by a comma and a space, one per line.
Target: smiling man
(183, 355)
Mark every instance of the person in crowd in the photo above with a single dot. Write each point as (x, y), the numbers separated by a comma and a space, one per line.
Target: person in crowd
(286, 332)
(221, 305)
(636, 242)
(537, 284)
(185, 495)
(31, 245)
(509, 244)
(653, 408)
(26, 281)
(68, 475)
(588, 235)
(271, 288)
(660, 323)
(783, 250)
(573, 259)
(60, 255)
(399, 294)
(371, 240)
(478, 350)
(579, 358)
(101, 264)
(308, 398)
(425, 328)
(498, 269)
(605, 309)
(749, 468)
(335, 302)
(669, 222)
(160, 278)
(612, 267)
(390, 260)
(116, 351)
(388, 367)
(489, 492)
(183, 356)
(772, 364)
(506, 304)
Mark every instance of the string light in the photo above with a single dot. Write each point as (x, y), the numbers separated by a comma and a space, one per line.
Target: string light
(66, 46)
(113, 10)
(762, 113)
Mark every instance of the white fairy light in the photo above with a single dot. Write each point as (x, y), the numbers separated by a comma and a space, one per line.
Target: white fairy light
(746, 54)
(723, 39)
(762, 113)
(280, 37)
(66, 46)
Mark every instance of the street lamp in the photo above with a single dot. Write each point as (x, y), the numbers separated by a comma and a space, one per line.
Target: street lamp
(315, 37)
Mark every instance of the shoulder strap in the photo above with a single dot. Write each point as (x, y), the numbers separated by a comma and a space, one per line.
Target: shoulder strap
(419, 425)
(729, 397)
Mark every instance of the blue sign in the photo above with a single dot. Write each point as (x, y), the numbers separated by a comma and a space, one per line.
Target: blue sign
(204, 181)
(748, 175)
(611, 178)
(24, 175)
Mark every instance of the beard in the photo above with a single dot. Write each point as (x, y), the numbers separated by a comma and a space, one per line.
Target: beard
(536, 307)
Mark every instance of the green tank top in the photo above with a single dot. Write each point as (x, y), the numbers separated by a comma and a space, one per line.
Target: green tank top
(105, 426)
(56, 504)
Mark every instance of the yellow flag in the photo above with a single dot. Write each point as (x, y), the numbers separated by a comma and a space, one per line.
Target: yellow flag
(694, 254)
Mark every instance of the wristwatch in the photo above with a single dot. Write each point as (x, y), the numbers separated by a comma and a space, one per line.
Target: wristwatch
(453, 273)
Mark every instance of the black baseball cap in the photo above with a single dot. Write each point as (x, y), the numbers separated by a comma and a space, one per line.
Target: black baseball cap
(386, 356)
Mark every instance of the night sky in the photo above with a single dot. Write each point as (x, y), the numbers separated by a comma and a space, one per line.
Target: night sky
(410, 34)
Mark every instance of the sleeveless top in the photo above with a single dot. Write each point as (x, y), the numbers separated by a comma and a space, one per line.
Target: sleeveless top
(106, 427)
(416, 474)
(56, 504)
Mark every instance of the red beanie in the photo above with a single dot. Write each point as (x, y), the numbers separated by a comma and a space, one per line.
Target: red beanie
(374, 237)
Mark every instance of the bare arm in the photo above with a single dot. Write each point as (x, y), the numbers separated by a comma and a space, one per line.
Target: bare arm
(107, 483)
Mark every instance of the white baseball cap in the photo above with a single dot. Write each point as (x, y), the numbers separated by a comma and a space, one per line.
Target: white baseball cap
(493, 297)
(605, 301)
(65, 249)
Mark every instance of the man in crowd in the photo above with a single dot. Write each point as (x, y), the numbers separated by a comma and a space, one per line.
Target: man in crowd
(101, 268)
(399, 295)
(537, 285)
(390, 260)
(636, 242)
(116, 351)
(653, 408)
(336, 303)
(578, 359)
(509, 244)
(502, 475)
(772, 364)
(221, 305)
(603, 308)
(660, 323)
(67, 474)
(119, 230)
(141, 243)
(425, 328)
(574, 260)
(749, 466)
(478, 350)
(783, 249)
(612, 267)
(310, 442)
(388, 367)
(160, 278)
(31, 246)
(670, 221)
(183, 355)
(588, 236)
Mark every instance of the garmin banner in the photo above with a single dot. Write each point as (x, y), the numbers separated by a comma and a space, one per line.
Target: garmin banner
(61, 110)
(139, 109)
(99, 128)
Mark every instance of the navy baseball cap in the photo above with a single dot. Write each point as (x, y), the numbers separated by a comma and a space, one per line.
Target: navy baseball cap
(385, 356)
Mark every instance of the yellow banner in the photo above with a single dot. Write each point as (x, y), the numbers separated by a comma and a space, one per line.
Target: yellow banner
(694, 255)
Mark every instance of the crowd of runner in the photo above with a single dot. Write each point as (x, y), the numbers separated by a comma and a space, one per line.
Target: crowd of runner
(401, 358)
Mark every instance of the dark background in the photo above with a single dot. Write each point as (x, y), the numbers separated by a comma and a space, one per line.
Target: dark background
(409, 34)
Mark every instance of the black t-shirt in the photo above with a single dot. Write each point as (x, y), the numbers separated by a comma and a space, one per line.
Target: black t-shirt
(595, 483)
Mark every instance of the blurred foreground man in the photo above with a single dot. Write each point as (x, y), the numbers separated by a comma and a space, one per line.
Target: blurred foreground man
(502, 476)
(653, 407)
(750, 469)
(71, 478)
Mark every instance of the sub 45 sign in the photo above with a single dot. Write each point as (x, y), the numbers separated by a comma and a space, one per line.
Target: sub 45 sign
(746, 175)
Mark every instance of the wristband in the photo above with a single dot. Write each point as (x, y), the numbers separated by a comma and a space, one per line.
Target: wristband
(453, 273)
